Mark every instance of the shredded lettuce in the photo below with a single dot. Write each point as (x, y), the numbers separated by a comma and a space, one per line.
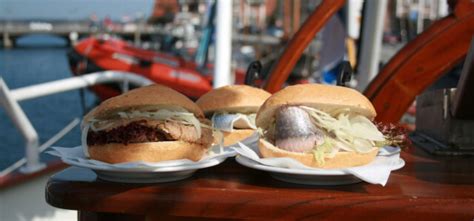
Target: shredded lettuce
(319, 156)
(326, 149)
(382, 143)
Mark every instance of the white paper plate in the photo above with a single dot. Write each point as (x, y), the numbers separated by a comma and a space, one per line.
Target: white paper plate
(147, 175)
(141, 172)
(308, 177)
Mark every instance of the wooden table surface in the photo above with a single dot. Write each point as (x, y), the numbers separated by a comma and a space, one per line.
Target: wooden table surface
(427, 188)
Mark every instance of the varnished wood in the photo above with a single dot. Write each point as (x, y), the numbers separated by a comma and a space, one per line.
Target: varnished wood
(427, 188)
(298, 43)
(421, 62)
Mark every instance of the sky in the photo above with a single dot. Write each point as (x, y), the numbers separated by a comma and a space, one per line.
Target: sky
(73, 9)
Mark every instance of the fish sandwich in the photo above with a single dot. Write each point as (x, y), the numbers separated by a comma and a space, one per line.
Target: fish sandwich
(153, 123)
(232, 110)
(320, 126)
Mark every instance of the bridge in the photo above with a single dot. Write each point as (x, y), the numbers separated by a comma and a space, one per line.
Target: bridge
(73, 30)
(70, 30)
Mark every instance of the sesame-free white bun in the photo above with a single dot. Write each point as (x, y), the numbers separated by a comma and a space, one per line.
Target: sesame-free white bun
(342, 159)
(233, 99)
(155, 96)
(148, 152)
(325, 98)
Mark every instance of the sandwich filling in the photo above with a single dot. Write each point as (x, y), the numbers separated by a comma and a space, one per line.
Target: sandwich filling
(309, 130)
(148, 126)
(227, 122)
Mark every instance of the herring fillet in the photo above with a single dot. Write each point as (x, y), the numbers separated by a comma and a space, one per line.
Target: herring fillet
(295, 131)
(227, 122)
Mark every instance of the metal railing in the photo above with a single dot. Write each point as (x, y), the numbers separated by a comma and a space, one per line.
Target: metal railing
(9, 101)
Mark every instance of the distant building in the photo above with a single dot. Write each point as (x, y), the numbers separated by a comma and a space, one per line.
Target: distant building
(164, 11)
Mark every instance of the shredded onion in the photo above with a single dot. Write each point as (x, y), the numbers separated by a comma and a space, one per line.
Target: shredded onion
(162, 114)
(100, 125)
(351, 132)
(362, 145)
(342, 146)
(364, 128)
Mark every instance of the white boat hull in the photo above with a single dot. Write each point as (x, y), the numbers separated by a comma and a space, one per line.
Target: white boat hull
(26, 201)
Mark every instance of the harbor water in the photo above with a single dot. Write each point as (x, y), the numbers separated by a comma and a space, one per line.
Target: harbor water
(39, 59)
